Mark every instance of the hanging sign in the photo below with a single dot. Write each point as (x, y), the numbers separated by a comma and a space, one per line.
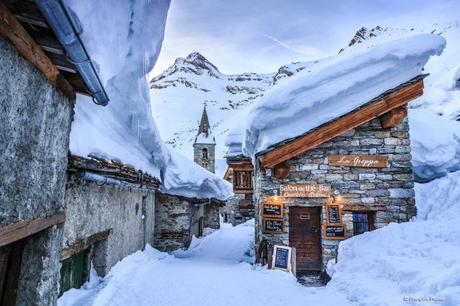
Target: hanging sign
(363, 161)
(334, 232)
(273, 226)
(333, 214)
(305, 190)
(272, 210)
(282, 257)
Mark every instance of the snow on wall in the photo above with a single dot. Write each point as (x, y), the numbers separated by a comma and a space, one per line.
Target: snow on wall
(124, 38)
(335, 87)
(417, 259)
(435, 144)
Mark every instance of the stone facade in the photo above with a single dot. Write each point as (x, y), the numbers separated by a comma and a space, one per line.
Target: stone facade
(178, 219)
(34, 127)
(386, 192)
(205, 159)
(129, 214)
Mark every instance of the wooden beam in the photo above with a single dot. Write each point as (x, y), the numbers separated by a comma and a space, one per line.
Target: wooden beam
(12, 29)
(83, 244)
(393, 117)
(345, 123)
(22, 229)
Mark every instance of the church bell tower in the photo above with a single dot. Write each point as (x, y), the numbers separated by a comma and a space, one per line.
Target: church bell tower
(204, 147)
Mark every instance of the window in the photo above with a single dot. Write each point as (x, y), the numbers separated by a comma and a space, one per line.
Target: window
(204, 165)
(204, 153)
(242, 180)
(362, 222)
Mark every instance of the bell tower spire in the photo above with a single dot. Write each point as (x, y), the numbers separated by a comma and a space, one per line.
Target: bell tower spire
(204, 146)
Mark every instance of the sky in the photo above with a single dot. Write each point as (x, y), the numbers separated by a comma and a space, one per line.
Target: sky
(262, 35)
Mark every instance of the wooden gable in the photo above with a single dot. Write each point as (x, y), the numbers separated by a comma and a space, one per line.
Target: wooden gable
(240, 171)
(389, 107)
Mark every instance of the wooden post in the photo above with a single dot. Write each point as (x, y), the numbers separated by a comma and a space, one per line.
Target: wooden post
(22, 229)
(12, 29)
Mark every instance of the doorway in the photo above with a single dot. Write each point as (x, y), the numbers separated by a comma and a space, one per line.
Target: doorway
(10, 267)
(305, 236)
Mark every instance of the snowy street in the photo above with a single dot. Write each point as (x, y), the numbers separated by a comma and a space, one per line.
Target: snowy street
(216, 270)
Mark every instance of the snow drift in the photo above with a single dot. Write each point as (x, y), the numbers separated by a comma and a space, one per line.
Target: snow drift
(335, 87)
(416, 259)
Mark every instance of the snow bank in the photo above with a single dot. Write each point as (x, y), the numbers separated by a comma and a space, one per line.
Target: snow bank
(125, 39)
(416, 259)
(335, 87)
(185, 178)
(435, 144)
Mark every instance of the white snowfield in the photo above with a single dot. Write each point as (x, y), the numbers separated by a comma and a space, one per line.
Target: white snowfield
(410, 260)
(126, 50)
(334, 87)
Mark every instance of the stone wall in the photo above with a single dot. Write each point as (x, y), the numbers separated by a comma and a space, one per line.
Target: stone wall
(197, 158)
(386, 191)
(211, 216)
(93, 208)
(177, 220)
(34, 140)
(172, 215)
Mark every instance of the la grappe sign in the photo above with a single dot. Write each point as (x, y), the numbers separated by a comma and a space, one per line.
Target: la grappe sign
(362, 161)
(305, 190)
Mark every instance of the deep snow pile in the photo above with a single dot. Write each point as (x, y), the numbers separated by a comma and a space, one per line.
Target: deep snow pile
(185, 178)
(335, 87)
(214, 271)
(126, 50)
(417, 259)
(435, 144)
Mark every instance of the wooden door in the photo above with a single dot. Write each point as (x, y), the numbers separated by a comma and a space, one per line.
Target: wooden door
(305, 236)
(10, 267)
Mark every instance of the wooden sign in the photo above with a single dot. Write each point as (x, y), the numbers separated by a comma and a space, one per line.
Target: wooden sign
(273, 226)
(272, 210)
(305, 190)
(364, 161)
(282, 258)
(333, 214)
(334, 232)
(172, 235)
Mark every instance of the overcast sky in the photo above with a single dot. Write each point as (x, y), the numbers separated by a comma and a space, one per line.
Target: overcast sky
(261, 35)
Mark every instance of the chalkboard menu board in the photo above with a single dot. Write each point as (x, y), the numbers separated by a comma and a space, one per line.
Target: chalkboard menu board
(274, 226)
(333, 214)
(281, 258)
(334, 232)
(272, 210)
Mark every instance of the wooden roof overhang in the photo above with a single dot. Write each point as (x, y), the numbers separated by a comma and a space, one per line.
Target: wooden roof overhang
(387, 107)
(112, 170)
(25, 26)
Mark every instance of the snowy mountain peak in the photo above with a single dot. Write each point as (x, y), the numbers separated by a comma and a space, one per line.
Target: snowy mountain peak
(365, 33)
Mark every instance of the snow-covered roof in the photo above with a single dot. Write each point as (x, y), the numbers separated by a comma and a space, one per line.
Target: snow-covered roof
(191, 180)
(125, 50)
(333, 88)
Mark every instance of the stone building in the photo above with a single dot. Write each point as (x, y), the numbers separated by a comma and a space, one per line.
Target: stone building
(110, 211)
(204, 147)
(345, 177)
(179, 218)
(37, 95)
